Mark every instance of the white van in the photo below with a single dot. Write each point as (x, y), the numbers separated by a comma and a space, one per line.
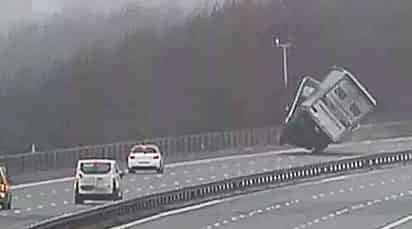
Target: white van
(97, 179)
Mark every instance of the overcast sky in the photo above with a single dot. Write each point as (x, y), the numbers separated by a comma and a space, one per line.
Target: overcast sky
(12, 11)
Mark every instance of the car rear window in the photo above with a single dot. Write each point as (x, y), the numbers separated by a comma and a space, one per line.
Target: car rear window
(144, 150)
(95, 167)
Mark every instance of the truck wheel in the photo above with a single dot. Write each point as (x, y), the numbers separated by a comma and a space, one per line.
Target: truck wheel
(319, 148)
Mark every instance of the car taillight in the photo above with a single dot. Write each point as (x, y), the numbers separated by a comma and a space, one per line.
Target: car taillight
(4, 188)
(156, 157)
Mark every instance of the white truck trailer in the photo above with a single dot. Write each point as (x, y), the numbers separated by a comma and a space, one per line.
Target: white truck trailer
(325, 112)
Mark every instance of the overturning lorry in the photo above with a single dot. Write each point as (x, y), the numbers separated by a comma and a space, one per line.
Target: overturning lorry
(325, 112)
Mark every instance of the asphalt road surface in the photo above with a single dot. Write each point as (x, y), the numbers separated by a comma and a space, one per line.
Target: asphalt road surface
(33, 203)
(366, 200)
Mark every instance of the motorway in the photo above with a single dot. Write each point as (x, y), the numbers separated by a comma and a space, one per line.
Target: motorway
(366, 200)
(36, 202)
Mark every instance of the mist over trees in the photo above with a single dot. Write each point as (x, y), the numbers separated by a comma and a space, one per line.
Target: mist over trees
(127, 75)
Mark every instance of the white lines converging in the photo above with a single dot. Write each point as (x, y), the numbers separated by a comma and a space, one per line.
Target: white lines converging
(355, 207)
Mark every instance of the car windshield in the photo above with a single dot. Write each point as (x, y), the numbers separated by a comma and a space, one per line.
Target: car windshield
(95, 167)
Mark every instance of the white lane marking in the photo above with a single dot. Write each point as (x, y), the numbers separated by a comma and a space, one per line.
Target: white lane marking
(241, 216)
(225, 222)
(259, 211)
(17, 211)
(160, 175)
(341, 191)
(335, 178)
(177, 183)
(277, 206)
(206, 161)
(234, 219)
(169, 213)
(331, 193)
(382, 182)
(65, 202)
(40, 206)
(27, 185)
(53, 204)
(398, 222)
(201, 179)
(314, 197)
(213, 177)
(226, 175)
(216, 224)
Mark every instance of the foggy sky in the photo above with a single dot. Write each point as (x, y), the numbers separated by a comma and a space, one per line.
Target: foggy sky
(17, 11)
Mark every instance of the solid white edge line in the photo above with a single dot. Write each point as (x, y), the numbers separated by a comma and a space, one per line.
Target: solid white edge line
(398, 222)
(215, 202)
(205, 161)
(169, 213)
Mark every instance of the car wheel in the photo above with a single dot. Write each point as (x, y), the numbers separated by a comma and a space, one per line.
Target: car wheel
(77, 198)
(116, 194)
(8, 205)
(160, 169)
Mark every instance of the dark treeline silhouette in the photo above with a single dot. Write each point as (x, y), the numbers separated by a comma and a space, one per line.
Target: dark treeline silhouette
(218, 70)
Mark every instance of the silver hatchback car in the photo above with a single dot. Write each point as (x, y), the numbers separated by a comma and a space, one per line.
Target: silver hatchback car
(97, 179)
